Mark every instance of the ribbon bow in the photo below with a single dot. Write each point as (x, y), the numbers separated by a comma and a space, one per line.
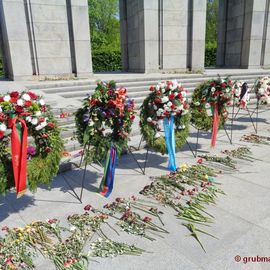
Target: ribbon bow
(19, 135)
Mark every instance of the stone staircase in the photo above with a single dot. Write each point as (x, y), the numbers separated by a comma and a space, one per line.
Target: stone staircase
(66, 96)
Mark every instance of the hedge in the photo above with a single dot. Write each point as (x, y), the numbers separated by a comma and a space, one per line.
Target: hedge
(106, 61)
(210, 56)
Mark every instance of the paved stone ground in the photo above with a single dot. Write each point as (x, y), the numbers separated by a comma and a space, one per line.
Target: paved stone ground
(241, 217)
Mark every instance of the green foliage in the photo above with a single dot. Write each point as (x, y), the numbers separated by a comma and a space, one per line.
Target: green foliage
(211, 23)
(211, 33)
(106, 60)
(1, 67)
(104, 24)
(210, 56)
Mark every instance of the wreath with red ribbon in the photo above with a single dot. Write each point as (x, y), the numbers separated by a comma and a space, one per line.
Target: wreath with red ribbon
(208, 106)
(30, 143)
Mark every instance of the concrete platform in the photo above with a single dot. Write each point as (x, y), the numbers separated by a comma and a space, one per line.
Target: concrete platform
(242, 221)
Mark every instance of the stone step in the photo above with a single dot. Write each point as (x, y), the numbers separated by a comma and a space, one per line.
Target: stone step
(54, 86)
(131, 86)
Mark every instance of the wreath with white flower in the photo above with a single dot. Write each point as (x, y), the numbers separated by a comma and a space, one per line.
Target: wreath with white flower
(105, 119)
(241, 94)
(165, 100)
(216, 92)
(262, 90)
(44, 145)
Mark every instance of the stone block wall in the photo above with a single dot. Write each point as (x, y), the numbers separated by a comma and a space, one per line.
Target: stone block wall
(243, 36)
(166, 35)
(45, 37)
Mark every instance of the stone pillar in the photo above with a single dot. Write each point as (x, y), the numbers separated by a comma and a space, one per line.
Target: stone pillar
(81, 37)
(162, 35)
(45, 38)
(48, 25)
(196, 40)
(243, 38)
(16, 49)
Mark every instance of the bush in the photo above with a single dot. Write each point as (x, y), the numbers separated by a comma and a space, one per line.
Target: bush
(106, 61)
(210, 56)
(1, 67)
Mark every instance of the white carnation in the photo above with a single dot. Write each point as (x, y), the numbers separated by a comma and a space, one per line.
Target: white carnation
(34, 121)
(20, 102)
(26, 97)
(149, 119)
(28, 119)
(7, 98)
(1, 109)
(3, 127)
(207, 105)
(38, 113)
(42, 102)
(164, 99)
(155, 107)
(169, 104)
(261, 91)
(213, 89)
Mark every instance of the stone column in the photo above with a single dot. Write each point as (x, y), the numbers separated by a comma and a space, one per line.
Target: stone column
(81, 37)
(243, 38)
(162, 35)
(16, 47)
(196, 40)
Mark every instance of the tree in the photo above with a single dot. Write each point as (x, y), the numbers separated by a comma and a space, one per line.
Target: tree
(211, 23)
(104, 25)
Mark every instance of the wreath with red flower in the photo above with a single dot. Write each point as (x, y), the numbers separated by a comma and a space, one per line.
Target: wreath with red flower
(262, 90)
(105, 119)
(217, 92)
(165, 100)
(43, 144)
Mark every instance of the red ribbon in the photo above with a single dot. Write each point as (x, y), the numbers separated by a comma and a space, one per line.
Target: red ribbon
(19, 153)
(215, 127)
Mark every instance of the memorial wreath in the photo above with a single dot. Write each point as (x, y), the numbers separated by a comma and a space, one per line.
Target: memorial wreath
(30, 143)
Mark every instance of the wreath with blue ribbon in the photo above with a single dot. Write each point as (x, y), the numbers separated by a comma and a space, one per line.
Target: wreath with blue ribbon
(165, 108)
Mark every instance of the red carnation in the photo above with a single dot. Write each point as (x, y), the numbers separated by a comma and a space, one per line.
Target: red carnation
(152, 88)
(1, 99)
(158, 93)
(111, 103)
(27, 103)
(200, 161)
(48, 149)
(44, 108)
(1, 134)
(147, 219)
(213, 84)
(88, 207)
(14, 94)
(132, 117)
(223, 85)
(51, 125)
(41, 119)
(171, 97)
(157, 100)
(13, 99)
(32, 95)
(19, 109)
(51, 221)
(173, 107)
(230, 82)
